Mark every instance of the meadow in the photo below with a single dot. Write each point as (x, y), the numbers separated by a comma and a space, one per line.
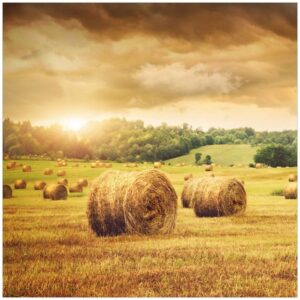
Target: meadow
(48, 249)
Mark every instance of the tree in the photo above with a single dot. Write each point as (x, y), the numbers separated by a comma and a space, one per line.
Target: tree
(198, 158)
(207, 160)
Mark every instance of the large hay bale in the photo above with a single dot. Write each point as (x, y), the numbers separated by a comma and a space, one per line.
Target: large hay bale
(290, 191)
(7, 191)
(20, 184)
(11, 165)
(55, 192)
(187, 192)
(63, 181)
(61, 173)
(83, 182)
(75, 188)
(293, 177)
(208, 168)
(135, 202)
(215, 197)
(188, 176)
(39, 185)
(26, 168)
(157, 165)
(48, 171)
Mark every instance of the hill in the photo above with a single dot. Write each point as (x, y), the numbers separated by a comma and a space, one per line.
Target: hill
(221, 154)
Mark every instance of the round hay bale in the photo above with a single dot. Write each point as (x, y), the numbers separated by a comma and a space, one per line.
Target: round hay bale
(11, 165)
(293, 177)
(75, 188)
(61, 173)
(259, 166)
(48, 171)
(134, 202)
(39, 185)
(157, 165)
(7, 191)
(20, 184)
(187, 192)
(107, 165)
(215, 197)
(208, 168)
(188, 176)
(83, 182)
(290, 191)
(26, 168)
(93, 165)
(55, 192)
(63, 181)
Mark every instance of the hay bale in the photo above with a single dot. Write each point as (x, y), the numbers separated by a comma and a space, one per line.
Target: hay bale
(63, 181)
(20, 184)
(55, 192)
(26, 168)
(215, 197)
(188, 176)
(93, 165)
(178, 165)
(11, 165)
(39, 185)
(135, 202)
(208, 168)
(48, 171)
(259, 166)
(107, 165)
(75, 188)
(290, 191)
(7, 191)
(293, 177)
(83, 182)
(61, 173)
(157, 165)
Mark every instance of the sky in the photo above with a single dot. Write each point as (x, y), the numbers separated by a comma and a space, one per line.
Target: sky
(208, 65)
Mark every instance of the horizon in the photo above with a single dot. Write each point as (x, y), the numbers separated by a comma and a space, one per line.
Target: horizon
(97, 61)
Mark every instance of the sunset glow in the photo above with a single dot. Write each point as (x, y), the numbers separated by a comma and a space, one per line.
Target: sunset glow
(73, 124)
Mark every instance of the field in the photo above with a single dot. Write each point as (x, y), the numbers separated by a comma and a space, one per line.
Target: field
(49, 250)
(224, 155)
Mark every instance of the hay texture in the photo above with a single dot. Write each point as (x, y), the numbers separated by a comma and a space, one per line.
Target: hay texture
(61, 173)
(26, 168)
(135, 202)
(48, 171)
(20, 184)
(293, 177)
(208, 168)
(63, 181)
(7, 191)
(39, 185)
(188, 176)
(83, 182)
(75, 188)
(55, 192)
(290, 191)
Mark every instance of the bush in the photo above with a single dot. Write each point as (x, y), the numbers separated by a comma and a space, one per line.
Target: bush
(251, 165)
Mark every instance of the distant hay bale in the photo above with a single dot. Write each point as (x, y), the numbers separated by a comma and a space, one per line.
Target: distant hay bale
(215, 197)
(290, 191)
(208, 168)
(107, 165)
(55, 192)
(93, 165)
(293, 177)
(63, 181)
(20, 184)
(178, 165)
(131, 165)
(259, 166)
(157, 165)
(83, 182)
(7, 191)
(188, 176)
(134, 202)
(75, 188)
(48, 171)
(11, 165)
(26, 168)
(61, 173)
(39, 185)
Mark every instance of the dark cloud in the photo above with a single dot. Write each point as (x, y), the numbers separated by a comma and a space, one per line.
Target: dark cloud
(225, 23)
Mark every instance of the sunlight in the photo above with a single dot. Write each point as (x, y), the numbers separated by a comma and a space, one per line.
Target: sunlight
(74, 124)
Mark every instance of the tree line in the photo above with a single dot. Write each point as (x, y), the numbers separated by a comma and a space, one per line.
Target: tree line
(121, 140)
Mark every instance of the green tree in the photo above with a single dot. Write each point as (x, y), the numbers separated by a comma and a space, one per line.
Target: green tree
(207, 160)
(198, 158)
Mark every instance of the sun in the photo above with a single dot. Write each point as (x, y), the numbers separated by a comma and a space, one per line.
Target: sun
(73, 124)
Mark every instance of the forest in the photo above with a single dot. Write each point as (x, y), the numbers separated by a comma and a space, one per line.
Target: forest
(121, 140)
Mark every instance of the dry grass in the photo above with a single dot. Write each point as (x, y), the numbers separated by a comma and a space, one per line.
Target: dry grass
(48, 249)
